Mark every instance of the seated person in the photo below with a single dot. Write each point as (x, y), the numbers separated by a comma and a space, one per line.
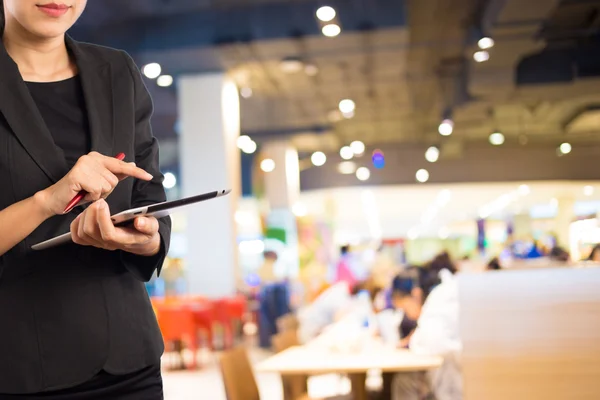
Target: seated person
(406, 296)
(437, 333)
(337, 302)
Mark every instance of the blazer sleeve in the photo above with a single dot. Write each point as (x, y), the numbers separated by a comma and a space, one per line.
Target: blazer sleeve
(146, 193)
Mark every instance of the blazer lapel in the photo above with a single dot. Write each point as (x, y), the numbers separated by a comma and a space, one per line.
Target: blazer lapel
(96, 79)
(20, 111)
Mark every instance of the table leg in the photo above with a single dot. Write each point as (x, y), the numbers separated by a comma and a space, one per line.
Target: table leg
(359, 386)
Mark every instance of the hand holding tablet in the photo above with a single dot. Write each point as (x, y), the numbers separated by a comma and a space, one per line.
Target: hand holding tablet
(123, 218)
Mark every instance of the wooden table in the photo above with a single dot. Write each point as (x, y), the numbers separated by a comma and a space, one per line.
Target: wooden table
(320, 360)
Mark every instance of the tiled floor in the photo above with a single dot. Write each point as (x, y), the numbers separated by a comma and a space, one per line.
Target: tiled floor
(206, 382)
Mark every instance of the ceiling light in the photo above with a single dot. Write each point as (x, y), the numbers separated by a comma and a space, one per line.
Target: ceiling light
(485, 43)
(565, 148)
(432, 154)
(422, 175)
(246, 92)
(267, 165)
(152, 70)
(363, 174)
(348, 115)
(497, 139)
(347, 168)
(481, 56)
(326, 13)
(347, 106)
(164, 81)
(331, 30)
(299, 210)
(446, 127)
(291, 65)
(588, 190)
(169, 181)
(249, 147)
(318, 158)
(311, 70)
(346, 153)
(357, 147)
(524, 190)
(243, 141)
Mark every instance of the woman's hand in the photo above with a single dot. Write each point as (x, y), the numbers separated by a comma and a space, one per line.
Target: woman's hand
(95, 228)
(98, 175)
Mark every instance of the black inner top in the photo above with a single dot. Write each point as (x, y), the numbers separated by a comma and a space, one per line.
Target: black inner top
(63, 109)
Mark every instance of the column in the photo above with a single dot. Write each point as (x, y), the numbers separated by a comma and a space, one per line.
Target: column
(209, 113)
(282, 190)
(522, 227)
(565, 214)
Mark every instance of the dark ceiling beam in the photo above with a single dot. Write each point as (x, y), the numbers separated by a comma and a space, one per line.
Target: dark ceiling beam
(212, 27)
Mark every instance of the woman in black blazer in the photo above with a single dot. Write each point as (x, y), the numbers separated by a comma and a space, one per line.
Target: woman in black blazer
(75, 321)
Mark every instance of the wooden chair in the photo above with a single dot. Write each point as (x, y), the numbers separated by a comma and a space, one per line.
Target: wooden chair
(531, 334)
(288, 322)
(293, 385)
(238, 377)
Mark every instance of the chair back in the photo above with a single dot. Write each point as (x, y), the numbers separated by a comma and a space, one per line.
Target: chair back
(238, 377)
(531, 334)
(294, 386)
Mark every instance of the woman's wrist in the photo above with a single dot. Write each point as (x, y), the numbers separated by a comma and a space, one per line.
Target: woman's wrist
(41, 205)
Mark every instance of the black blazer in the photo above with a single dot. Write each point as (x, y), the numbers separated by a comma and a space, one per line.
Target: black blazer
(69, 312)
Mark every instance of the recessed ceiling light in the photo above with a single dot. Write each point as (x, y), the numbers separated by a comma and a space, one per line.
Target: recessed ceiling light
(318, 158)
(363, 174)
(346, 153)
(486, 43)
(164, 81)
(446, 127)
(152, 70)
(497, 139)
(422, 175)
(481, 56)
(357, 147)
(267, 165)
(331, 30)
(565, 148)
(588, 190)
(432, 154)
(326, 13)
(169, 181)
(347, 106)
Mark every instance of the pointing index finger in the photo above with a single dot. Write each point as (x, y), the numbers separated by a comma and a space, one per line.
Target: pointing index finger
(129, 169)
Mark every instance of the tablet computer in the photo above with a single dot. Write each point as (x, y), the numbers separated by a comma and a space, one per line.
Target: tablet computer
(158, 210)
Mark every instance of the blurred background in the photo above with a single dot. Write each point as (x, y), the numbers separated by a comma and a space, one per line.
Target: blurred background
(363, 141)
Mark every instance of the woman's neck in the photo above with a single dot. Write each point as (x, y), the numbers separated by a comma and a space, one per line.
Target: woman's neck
(38, 59)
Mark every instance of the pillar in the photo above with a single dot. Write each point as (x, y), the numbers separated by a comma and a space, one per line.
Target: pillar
(522, 229)
(209, 112)
(565, 214)
(282, 190)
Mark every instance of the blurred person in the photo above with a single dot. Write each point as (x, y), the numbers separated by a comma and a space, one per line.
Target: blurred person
(595, 254)
(77, 321)
(494, 264)
(337, 302)
(438, 334)
(266, 272)
(407, 297)
(344, 271)
(559, 254)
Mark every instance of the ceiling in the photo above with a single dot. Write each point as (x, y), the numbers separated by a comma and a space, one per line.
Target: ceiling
(403, 63)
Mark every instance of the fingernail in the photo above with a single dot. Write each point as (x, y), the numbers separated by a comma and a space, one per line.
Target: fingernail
(141, 222)
(101, 205)
(149, 176)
